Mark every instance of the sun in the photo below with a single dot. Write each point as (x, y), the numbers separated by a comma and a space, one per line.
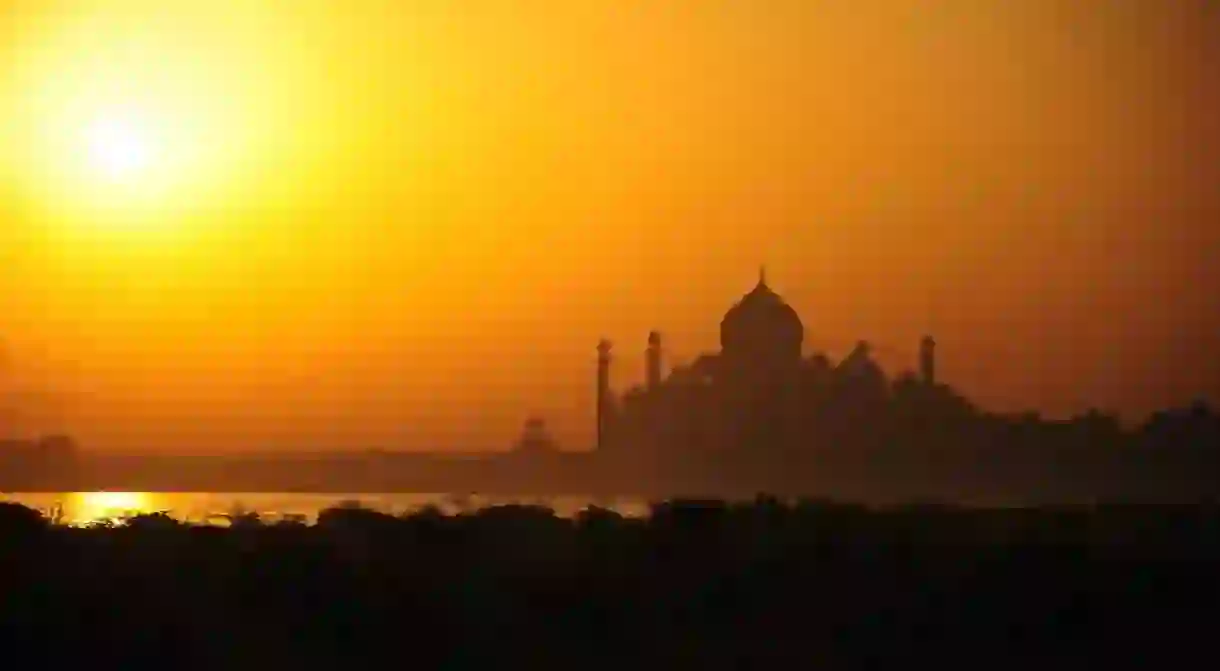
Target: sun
(118, 149)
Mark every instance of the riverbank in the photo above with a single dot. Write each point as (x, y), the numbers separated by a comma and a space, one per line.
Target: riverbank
(704, 585)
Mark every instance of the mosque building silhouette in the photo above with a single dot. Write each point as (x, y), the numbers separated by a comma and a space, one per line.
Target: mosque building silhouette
(760, 387)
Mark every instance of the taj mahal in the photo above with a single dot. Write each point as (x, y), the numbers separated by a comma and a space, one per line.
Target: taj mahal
(762, 399)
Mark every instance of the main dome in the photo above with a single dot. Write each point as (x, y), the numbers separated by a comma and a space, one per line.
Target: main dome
(762, 324)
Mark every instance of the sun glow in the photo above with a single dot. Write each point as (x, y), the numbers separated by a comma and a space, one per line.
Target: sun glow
(118, 149)
(117, 164)
(126, 121)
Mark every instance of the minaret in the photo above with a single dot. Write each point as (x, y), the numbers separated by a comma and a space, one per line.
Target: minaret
(603, 389)
(652, 365)
(927, 360)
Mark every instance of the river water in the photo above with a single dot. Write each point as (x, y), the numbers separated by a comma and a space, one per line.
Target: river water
(81, 508)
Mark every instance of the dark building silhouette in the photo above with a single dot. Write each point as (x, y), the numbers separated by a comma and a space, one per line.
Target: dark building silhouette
(757, 402)
(33, 463)
(761, 337)
(535, 438)
(652, 372)
(927, 360)
(604, 396)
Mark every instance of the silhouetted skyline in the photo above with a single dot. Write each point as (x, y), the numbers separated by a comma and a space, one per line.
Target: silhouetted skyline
(759, 413)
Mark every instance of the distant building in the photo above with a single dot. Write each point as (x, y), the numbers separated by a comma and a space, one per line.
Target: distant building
(760, 388)
(652, 370)
(927, 360)
(32, 463)
(605, 397)
(535, 438)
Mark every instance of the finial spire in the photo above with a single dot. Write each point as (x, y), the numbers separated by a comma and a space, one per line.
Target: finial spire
(762, 275)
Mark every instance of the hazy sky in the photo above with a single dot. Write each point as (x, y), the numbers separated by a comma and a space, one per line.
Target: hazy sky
(395, 223)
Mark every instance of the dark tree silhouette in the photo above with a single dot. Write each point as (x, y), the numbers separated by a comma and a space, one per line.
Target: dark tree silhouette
(696, 584)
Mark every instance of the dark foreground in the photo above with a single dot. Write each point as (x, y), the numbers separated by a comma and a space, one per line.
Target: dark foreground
(700, 586)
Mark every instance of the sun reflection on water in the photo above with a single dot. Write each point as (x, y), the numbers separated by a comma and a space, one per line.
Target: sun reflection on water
(214, 508)
(82, 508)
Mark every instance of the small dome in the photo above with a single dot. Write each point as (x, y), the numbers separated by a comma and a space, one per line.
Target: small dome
(534, 436)
(761, 322)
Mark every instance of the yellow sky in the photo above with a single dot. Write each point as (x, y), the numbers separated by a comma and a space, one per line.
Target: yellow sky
(408, 223)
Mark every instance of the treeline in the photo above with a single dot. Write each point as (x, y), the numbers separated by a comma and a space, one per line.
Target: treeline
(696, 584)
(929, 443)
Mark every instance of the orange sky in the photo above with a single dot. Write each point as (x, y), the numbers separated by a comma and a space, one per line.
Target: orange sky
(408, 223)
